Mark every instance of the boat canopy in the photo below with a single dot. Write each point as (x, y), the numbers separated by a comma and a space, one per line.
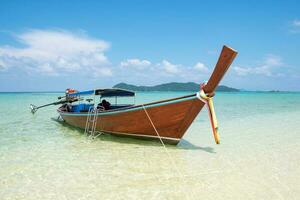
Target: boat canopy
(111, 92)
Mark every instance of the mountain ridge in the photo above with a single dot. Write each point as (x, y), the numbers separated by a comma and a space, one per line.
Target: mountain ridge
(172, 86)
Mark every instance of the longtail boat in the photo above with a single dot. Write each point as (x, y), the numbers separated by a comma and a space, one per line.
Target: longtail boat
(166, 120)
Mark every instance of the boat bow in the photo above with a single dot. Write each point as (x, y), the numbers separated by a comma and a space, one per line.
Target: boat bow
(208, 89)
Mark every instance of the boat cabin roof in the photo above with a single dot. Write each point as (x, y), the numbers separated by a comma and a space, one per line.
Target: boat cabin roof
(109, 92)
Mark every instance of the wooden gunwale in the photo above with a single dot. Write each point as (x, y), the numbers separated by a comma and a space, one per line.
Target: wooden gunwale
(131, 108)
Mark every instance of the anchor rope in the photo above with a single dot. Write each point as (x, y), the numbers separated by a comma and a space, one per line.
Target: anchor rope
(167, 152)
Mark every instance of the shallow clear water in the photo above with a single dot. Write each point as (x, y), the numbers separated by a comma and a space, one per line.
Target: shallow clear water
(259, 155)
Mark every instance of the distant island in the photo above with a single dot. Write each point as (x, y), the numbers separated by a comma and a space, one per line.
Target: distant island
(174, 86)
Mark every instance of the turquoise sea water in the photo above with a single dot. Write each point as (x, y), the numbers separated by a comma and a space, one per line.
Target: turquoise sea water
(258, 158)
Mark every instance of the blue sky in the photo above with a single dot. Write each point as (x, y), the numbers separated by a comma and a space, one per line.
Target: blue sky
(53, 45)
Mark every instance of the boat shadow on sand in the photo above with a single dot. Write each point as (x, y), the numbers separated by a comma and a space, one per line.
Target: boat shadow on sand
(183, 144)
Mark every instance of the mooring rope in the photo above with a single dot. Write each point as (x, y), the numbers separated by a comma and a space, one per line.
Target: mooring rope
(167, 152)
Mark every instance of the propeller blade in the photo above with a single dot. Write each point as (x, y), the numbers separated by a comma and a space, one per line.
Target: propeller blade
(225, 59)
(33, 108)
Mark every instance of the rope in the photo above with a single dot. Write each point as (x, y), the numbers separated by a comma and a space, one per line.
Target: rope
(167, 152)
(162, 142)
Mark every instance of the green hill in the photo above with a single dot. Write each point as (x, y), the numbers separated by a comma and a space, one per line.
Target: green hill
(190, 86)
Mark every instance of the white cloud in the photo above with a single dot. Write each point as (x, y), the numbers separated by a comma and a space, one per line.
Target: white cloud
(164, 70)
(295, 26)
(296, 23)
(137, 63)
(2, 66)
(273, 60)
(55, 52)
(242, 71)
(64, 53)
(201, 67)
(104, 71)
(268, 67)
(261, 70)
(169, 67)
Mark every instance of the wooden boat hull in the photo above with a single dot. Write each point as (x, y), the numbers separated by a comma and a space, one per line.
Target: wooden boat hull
(171, 119)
